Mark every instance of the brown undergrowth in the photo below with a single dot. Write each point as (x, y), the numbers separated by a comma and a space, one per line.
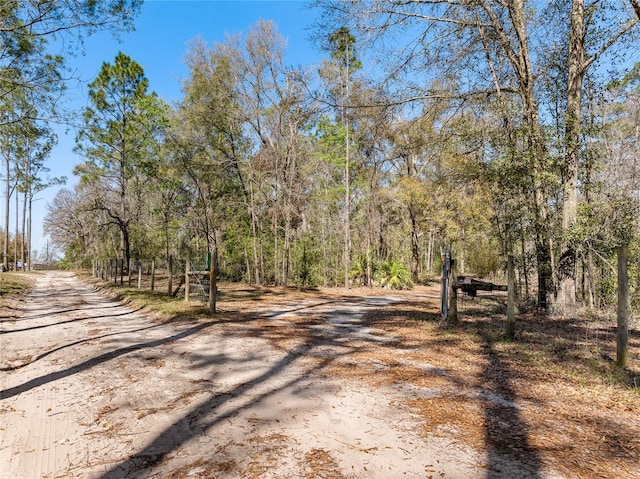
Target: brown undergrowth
(554, 396)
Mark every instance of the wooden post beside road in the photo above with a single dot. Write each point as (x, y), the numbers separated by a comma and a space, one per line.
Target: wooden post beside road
(153, 274)
(213, 288)
(511, 301)
(186, 278)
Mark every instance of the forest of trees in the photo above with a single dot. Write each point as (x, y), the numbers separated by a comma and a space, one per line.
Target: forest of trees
(32, 86)
(488, 128)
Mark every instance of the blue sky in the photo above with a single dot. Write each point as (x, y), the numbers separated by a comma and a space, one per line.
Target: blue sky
(163, 31)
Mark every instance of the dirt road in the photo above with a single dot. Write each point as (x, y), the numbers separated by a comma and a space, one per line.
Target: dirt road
(91, 388)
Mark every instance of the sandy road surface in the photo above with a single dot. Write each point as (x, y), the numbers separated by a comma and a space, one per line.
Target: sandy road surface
(92, 389)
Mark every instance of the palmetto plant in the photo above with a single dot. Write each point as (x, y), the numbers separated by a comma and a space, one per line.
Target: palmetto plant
(358, 272)
(393, 274)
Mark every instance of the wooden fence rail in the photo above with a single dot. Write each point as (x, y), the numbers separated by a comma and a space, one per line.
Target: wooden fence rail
(198, 281)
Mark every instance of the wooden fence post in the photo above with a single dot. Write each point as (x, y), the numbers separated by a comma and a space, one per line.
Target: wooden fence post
(153, 274)
(186, 279)
(213, 288)
(452, 316)
(511, 306)
(170, 274)
(444, 285)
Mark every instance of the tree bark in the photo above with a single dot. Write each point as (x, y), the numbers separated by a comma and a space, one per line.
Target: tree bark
(543, 258)
(415, 246)
(525, 268)
(257, 275)
(635, 4)
(565, 301)
(518, 55)
(430, 246)
(578, 64)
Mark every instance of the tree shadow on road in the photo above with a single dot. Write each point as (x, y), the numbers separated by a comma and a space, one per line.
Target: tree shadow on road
(204, 415)
(20, 312)
(207, 415)
(506, 432)
(89, 363)
(49, 352)
(74, 320)
(487, 389)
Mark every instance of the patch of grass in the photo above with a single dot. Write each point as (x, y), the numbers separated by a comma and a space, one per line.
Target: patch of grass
(232, 297)
(14, 283)
(165, 305)
(157, 302)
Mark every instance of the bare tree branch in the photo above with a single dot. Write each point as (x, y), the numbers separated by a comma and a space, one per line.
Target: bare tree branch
(635, 4)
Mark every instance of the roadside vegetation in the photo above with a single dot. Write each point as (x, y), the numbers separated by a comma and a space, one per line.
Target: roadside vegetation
(13, 284)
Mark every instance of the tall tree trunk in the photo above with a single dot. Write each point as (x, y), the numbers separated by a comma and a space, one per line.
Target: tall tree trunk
(286, 252)
(254, 236)
(590, 279)
(29, 224)
(565, 301)
(7, 197)
(347, 214)
(624, 307)
(125, 246)
(430, 251)
(17, 232)
(415, 245)
(369, 272)
(347, 178)
(276, 270)
(23, 242)
(525, 268)
(519, 58)
(543, 259)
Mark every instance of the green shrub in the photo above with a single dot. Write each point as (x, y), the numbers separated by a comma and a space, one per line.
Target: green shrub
(393, 274)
